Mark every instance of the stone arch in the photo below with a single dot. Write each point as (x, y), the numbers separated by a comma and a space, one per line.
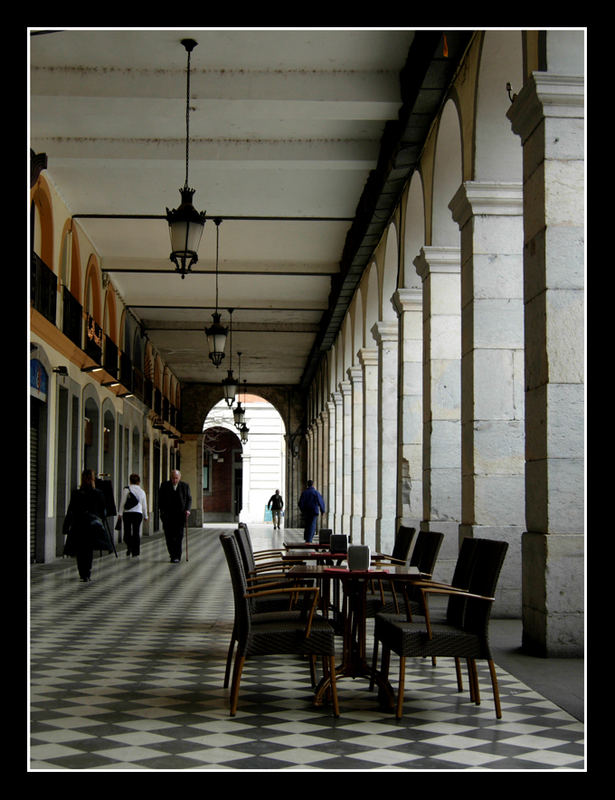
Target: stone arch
(92, 299)
(414, 231)
(390, 270)
(371, 298)
(497, 151)
(447, 177)
(110, 315)
(357, 326)
(42, 209)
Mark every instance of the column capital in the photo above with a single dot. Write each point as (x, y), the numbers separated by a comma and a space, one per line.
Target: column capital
(546, 94)
(355, 374)
(368, 357)
(345, 388)
(475, 198)
(385, 332)
(337, 398)
(437, 259)
(407, 300)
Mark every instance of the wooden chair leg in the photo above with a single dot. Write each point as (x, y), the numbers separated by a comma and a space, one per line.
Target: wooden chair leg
(374, 665)
(313, 670)
(333, 681)
(400, 688)
(239, 662)
(229, 661)
(475, 687)
(470, 678)
(459, 675)
(496, 691)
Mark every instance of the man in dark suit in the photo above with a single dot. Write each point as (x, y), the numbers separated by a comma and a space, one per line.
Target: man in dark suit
(174, 502)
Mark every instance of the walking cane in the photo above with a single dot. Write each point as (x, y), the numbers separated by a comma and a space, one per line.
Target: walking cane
(186, 538)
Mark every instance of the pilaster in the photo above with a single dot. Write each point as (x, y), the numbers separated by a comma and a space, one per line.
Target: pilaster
(549, 116)
(368, 359)
(439, 269)
(492, 405)
(385, 335)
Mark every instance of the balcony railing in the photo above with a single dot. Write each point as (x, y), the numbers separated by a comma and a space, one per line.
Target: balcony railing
(110, 357)
(72, 317)
(88, 336)
(43, 288)
(93, 339)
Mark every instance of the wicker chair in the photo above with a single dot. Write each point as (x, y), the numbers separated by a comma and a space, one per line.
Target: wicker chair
(409, 602)
(464, 637)
(424, 557)
(401, 548)
(273, 575)
(301, 631)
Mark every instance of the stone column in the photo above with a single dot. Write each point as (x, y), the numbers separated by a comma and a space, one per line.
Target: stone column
(327, 520)
(192, 473)
(548, 115)
(385, 335)
(439, 269)
(490, 217)
(320, 484)
(355, 375)
(339, 461)
(408, 303)
(346, 407)
(331, 504)
(368, 359)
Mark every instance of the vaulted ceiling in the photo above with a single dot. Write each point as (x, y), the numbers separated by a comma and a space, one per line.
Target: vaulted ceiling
(300, 142)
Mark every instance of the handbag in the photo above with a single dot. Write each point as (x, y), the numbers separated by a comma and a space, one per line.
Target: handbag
(131, 501)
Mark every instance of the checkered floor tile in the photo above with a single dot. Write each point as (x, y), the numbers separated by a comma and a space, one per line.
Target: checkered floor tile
(126, 673)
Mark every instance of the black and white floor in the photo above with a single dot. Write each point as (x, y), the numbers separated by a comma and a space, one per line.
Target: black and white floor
(126, 673)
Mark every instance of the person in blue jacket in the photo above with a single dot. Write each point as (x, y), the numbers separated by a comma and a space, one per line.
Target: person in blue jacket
(311, 504)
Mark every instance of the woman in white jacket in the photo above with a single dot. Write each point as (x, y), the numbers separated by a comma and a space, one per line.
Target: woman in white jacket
(133, 510)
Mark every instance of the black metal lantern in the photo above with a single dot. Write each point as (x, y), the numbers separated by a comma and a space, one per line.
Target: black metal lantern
(216, 333)
(185, 222)
(230, 385)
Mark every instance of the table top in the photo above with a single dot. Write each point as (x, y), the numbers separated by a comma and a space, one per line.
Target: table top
(306, 545)
(323, 555)
(323, 571)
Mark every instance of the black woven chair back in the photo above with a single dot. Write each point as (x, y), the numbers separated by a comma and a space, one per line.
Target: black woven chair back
(461, 580)
(324, 535)
(426, 549)
(488, 560)
(403, 542)
(245, 548)
(239, 583)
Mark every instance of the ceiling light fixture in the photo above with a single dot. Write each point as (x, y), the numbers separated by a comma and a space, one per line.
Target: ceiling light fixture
(229, 384)
(185, 222)
(238, 412)
(216, 333)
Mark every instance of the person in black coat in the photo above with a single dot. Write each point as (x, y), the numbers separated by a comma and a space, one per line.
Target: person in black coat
(84, 524)
(174, 502)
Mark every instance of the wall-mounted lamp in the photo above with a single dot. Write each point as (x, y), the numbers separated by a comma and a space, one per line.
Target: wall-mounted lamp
(91, 369)
(60, 370)
(110, 383)
(126, 394)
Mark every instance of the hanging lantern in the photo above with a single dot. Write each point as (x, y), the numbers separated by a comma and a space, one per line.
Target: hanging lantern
(185, 222)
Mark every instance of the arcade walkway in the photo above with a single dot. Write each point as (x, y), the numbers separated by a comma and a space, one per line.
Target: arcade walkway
(127, 672)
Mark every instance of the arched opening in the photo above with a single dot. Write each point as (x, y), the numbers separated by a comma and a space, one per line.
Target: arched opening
(239, 476)
(90, 434)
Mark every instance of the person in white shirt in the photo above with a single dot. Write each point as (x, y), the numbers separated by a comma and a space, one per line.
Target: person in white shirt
(133, 510)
